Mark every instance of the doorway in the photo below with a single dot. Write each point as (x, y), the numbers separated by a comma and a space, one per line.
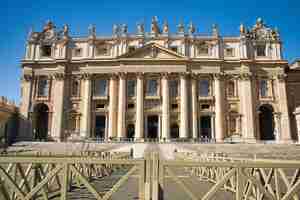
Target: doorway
(152, 127)
(100, 122)
(130, 131)
(266, 122)
(205, 126)
(40, 121)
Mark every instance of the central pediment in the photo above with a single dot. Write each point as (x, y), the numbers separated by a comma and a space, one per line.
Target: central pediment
(153, 51)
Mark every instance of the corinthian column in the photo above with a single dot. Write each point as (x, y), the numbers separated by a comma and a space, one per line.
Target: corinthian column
(112, 116)
(219, 105)
(194, 108)
(58, 107)
(122, 106)
(139, 119)
(85, 125)
(247, 109)
(183, 107)
(165, 108)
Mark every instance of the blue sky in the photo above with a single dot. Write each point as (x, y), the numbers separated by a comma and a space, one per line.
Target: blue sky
(16, 18)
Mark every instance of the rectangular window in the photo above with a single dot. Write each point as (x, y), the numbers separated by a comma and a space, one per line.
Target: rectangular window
(203, 88)
(151, 87)
(43, 87)
(100, 88)
(202, 50)
(229, 52)
(102, 50)
(77, 52)
(131, 85)
(173, 88)
(261, 50)
(264, 88)
(131, 49)
(46, 50)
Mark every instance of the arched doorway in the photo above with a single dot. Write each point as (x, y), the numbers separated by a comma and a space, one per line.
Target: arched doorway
(174, 131)
(100, 126)
(130, 131)
(266, 122)
(205, 126)
(152, 121)
(40, 121)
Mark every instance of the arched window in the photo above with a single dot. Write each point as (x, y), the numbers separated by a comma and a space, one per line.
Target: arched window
(75, 88)
(203, 88)
(231, 89)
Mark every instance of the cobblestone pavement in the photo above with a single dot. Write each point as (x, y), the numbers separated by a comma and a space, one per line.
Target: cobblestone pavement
(173, 191)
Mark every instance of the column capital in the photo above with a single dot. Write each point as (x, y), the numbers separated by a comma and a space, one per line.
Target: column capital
(219, 76)
(183, 74)
(140, 75)
(86, 76)
(281, 77)
(165, 75)
(59, 76)
(27, 77)
(122, 75)
(245, 76)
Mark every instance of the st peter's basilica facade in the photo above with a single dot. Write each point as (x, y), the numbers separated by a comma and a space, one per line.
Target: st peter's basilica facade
(157, 85)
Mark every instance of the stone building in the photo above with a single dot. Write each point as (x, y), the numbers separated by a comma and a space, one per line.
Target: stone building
(156, 85)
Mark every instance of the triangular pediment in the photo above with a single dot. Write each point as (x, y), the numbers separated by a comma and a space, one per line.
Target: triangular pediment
(152, 51)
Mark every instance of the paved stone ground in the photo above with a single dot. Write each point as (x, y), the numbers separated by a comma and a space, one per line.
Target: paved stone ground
(129, 191)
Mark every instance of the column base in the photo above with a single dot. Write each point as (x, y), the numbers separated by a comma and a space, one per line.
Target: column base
(139, 139)
(250, 140)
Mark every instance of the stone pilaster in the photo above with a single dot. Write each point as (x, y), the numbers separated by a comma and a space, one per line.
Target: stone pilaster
(297, 116)
(139, 119)
(113, 107)
(122, 106)
(58, 107)
(183, 107)
(194, 108)
(247, 107)
(26, 95)
(219, 107)
(165, 108)
(277, 128)
(85, 126)
(283, 108)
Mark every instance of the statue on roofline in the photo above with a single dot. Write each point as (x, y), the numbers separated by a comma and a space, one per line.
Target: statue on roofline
(192, 28)
(165, 27)
(140, 29)
(154, 25)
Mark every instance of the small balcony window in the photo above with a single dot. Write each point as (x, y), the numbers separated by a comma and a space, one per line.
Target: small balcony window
(229, 52)
(261, 50)
(102, 50)
(131, 49)
(202, 50)
(46, 50)
(77, 52)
